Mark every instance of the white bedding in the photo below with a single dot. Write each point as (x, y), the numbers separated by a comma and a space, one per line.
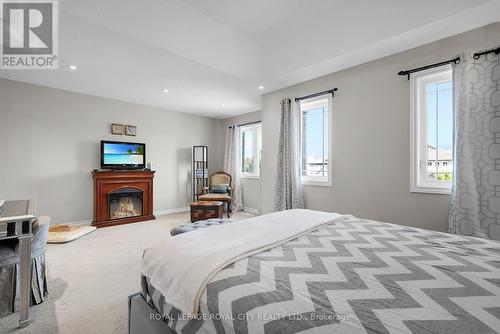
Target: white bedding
(181, 267)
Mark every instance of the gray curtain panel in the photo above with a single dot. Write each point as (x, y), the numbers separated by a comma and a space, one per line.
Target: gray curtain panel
(288, 188)
(232, 165)
(475, 199)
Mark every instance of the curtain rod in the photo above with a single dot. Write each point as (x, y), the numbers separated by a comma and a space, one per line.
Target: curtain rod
(479, 54)
(423, 68)
(331, 91)
(245, 124)
(455, 60)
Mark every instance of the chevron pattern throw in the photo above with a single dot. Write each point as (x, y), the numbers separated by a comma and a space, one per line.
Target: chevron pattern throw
(353, 276)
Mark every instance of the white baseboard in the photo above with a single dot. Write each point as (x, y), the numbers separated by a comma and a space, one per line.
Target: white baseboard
(78, 222)
(168, 211)
(251, 210)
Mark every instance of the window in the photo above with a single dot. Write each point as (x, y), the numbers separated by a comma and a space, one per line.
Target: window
(316, 141)
(251, 150)
(432, 131)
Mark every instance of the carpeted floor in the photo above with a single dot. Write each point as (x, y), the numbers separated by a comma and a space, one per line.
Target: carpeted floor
(89, 279)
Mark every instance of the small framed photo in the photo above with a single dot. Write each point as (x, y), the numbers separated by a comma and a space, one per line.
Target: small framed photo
(131, 130)
(117, 129)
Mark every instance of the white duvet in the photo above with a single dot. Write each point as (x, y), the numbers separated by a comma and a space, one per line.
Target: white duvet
(182, 266)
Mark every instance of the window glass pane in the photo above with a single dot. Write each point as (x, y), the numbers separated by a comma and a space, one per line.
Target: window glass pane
(315, 140)
(259, 147)
(439, 115)
(251, 147)
(248, 160)
(431, 105)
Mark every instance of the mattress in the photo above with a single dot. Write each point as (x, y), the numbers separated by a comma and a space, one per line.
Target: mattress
(352, 276)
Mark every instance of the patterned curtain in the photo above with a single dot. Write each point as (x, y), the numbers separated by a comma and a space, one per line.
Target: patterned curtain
(288, 189)
(232, 165)
(475, 199)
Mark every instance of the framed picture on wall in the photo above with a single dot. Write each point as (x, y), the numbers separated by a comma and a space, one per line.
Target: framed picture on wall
(131, 130)
(117, 129)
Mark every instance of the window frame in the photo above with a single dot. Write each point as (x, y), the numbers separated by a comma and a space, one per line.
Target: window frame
(311, 180)
(418, 141)
(255, 153)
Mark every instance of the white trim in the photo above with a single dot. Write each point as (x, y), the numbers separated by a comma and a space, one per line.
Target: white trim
(77, 222)
(311, 183)
(431, 190)
(311, 180)
(170, 211)
(257, 130)
(251, 210)
(418, 165)
(250, 177)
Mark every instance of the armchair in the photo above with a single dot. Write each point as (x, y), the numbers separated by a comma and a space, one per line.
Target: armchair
(219, 189)
(218, 179)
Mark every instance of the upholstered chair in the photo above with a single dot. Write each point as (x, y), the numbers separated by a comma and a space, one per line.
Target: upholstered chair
(219, 189)
(9, 269)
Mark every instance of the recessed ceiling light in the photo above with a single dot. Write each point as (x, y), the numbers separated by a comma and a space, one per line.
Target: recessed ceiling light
(72, 67)
(261, 87)
(165, 90)
(222, 105)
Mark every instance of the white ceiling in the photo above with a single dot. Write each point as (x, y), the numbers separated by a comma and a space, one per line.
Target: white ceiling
(210, 53)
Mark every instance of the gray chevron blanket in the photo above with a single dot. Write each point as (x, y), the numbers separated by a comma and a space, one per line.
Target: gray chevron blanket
(352, 276)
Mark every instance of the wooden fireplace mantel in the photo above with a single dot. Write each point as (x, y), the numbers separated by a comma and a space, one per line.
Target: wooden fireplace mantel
(106, 182)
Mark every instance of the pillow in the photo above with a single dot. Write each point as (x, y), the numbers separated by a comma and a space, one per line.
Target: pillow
(219, 188)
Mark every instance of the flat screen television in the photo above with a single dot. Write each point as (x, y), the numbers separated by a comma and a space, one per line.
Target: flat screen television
(122, 155)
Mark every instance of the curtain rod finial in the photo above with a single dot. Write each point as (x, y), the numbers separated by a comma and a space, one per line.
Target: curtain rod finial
(407, 73)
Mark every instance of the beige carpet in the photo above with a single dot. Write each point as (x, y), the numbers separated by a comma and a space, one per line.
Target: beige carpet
(90, 278)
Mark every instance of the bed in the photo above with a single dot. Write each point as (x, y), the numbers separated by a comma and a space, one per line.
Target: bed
(325, 273)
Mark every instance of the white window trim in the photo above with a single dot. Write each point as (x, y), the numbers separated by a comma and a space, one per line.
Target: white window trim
(311, 180)
(418, 152)
(256, 175)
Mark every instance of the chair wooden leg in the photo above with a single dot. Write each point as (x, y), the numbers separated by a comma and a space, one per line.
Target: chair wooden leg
(229, 209)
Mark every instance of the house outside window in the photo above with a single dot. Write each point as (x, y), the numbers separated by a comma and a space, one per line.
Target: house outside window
(432, 131)
(316, 140)
(251, 150)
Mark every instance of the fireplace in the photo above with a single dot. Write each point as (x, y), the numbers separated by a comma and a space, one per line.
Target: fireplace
(125, 203)
(122, 197)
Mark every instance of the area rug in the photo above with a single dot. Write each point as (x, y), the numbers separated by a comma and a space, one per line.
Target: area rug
(65, 233)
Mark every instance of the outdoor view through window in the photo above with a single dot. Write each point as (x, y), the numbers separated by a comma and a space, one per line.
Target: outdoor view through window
(315, 139)
(439, 109)
(251, 149)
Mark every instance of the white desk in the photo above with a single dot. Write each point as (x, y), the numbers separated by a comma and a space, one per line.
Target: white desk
(16, 218)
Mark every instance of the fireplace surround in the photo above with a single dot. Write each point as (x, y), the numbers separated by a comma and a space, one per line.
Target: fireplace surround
(122, 197)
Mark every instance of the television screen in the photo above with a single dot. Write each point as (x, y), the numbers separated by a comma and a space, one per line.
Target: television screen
(117, 155)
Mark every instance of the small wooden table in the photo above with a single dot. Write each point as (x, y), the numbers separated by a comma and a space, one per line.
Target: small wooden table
(16, 218)
(202, 210)
(218, 198)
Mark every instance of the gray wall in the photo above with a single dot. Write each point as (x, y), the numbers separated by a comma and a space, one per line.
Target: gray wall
(371, 124)
(250, 187)
(50, 144)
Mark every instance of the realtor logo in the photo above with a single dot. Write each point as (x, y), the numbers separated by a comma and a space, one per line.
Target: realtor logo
(29, 36)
